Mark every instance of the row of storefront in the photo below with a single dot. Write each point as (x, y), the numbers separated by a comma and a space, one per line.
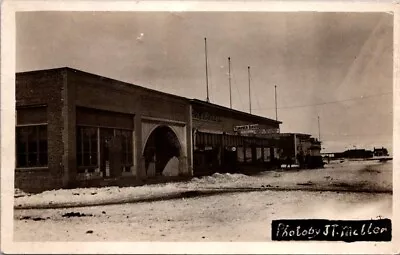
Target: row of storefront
(73, 126)
(233, 153)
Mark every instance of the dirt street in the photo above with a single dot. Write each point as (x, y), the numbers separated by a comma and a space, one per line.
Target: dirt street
(228, 217)
(239, 216)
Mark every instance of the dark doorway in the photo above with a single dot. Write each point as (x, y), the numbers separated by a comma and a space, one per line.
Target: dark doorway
(206, 160)
(230, 159)
(161, 146)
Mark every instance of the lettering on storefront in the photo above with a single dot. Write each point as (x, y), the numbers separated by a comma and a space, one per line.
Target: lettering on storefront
(205, 116)
(255, 129)
(246, 127)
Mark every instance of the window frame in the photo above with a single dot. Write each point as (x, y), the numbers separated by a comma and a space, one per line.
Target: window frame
(266, 154)
(83, 151)
(98, 128)
(36, 126)
(127, 155)
(39, 123)
(259, 154)
(248, 154)
(240, 154)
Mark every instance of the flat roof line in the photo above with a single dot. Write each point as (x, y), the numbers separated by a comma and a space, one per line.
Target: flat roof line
(152, 90)
(233, 110)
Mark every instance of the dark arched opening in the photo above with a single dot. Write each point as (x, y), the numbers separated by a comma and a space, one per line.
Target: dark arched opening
(161, 146)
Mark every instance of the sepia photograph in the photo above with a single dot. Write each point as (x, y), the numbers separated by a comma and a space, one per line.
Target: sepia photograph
(203, 126)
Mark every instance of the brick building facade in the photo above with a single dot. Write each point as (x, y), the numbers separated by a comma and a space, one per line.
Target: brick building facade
(74, 126)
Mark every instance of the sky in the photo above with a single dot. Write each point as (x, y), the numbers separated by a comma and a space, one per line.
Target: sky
(338, 66)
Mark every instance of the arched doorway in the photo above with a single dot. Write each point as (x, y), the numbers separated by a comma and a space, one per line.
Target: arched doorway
(161, 147)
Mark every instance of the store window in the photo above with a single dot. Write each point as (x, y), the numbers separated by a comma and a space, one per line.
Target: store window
(126, 148)
(267, 154)
(277, 153)
(259, 155)
(240, 154)
(31, 146)
(31, 137)
(87, 147)
(248, 155)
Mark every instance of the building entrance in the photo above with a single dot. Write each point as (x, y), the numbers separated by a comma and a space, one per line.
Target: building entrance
(162, 153)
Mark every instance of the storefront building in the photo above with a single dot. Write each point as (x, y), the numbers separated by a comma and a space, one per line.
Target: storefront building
(73, 127)
(226, 140)
(300, 149)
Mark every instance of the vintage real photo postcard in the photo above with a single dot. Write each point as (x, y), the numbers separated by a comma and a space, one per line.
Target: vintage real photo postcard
(199, 127)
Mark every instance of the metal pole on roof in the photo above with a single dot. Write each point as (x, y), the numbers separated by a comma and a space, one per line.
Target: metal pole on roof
(319, 130)
(205, 48)
(230, 86)
(248, 72)
(276, 105)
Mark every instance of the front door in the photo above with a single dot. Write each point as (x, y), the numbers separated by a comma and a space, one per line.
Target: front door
(230, 159)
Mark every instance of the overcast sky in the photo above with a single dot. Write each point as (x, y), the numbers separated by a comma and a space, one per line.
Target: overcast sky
(315, 59)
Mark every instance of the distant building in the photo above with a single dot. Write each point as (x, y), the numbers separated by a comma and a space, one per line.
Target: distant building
(300, 149)
(380, 152)
(354, 153)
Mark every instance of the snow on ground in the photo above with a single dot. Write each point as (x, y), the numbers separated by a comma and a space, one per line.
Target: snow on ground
(357, 174)
(243, 216)
(353, 175)
(240, 216)
(93, 196)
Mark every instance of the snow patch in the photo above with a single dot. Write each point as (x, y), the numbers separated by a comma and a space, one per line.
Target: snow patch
(349, 174)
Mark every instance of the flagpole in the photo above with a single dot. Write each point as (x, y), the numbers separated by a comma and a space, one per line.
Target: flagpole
(205, 49)
(319, 130)
(230, 86)
(276, 105)
(248, 72)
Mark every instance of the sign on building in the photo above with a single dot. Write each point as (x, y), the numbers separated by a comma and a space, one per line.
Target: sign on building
(255, 129)
(202, 115)
(246, 127)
